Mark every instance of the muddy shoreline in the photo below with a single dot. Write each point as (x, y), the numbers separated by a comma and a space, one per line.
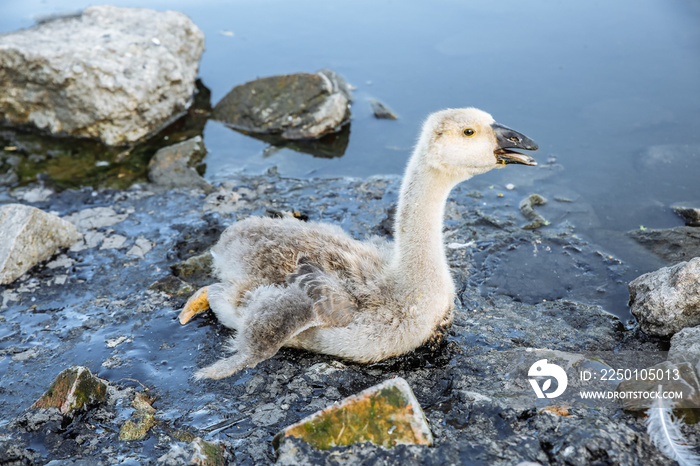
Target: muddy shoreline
(479, 410)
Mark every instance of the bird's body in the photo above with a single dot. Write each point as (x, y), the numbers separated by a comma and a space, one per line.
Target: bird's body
(311, 286)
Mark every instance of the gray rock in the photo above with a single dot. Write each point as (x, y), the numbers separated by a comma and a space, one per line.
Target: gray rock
(140, 248)
(8, 178)
(672, 244)
(96, 217)
(267, 414)
(29, 236)
(381, 111)
(113, 242)
(293, 106)
(685, 347)
(667, 300)
(114, 74)
(691, 216)
(173, 166)
(32, 194)
(195, 270)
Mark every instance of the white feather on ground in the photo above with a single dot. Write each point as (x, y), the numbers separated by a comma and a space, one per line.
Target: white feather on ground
(664, 432)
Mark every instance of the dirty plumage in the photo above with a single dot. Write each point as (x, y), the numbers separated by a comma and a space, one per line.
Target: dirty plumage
(284, 282)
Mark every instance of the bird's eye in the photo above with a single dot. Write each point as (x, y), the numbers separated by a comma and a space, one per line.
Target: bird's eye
(469, 132)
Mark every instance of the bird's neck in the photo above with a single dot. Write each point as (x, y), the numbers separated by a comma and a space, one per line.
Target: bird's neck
(419, 261)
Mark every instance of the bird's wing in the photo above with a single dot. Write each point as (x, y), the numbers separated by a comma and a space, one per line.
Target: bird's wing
(334, 306)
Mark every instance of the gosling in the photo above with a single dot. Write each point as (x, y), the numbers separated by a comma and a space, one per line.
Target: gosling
(284, 282)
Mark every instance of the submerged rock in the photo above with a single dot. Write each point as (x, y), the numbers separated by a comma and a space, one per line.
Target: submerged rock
(672, 244)
(690, 215)
(387, 414)
(173, 166)
(381, 111)
(29, 236)
(114, 74)
(293, 106)
(527, 207)
(75, 388)
(668, 300)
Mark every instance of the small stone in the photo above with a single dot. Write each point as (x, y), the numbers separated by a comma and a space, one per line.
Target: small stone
(267, 414)
(96, 217)
(32, 195)
(137, 427)
(140, 248)
(141, 421)
(195, 269)
(61, 261)
(144, 403)
(75, 388)
(381, 111)
(173, 286)
(222, 201)
(113, 242)
(60, 279)
(29, 236)
(112, 362)
(510, 186)
(527, 207)
(690, 215)
(667, 300)
(91, 239)
(25, 355)
(387, 414)
(173, 166)
(111, 343)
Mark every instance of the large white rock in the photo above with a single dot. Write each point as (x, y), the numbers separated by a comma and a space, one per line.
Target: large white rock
(28, 236)
(116, 74)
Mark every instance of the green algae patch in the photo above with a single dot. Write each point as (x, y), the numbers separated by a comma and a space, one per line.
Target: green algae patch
(387, 414)
(74, 388)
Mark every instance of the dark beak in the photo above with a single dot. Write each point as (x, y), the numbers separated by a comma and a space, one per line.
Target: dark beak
(510, 139)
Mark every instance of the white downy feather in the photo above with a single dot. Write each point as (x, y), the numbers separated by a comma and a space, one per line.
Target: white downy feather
(664, 432)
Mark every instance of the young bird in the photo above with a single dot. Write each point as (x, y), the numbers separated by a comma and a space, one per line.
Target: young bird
(284, 282)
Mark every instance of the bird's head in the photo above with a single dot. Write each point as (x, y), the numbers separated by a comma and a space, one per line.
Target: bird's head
(467, 141)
